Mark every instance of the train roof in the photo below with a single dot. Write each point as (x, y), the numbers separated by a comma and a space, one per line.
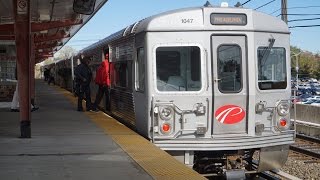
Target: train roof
(171, 20)
(197, 19)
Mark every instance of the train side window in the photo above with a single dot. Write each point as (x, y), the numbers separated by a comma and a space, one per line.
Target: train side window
(229, 68)
(178, 68)
(272, 73)
(140, 70)
(120, 75)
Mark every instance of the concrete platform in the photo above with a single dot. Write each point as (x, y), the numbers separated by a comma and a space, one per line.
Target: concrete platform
(65, 144)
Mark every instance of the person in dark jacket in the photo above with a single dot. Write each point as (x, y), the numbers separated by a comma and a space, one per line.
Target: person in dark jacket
(52, 75)
(83, 77)
(46, 74)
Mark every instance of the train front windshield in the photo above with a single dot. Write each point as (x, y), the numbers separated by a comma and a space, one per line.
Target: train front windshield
(178, 68)
(272, 73)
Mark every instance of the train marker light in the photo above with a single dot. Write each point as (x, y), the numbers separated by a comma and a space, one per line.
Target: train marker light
(166, 128)
(283, 122)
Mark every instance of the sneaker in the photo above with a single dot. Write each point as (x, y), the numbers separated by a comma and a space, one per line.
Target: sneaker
(94, 110)
(34, 108)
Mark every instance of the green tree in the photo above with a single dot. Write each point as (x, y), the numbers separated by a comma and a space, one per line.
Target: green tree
(309, 63)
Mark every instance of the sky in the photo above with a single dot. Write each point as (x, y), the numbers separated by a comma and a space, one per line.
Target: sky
(118, 14)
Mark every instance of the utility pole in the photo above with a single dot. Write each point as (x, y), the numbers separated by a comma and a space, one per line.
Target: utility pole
(284, 11)
(297, 88)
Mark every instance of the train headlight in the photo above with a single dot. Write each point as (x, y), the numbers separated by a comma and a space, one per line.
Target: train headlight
(283, 108)
(165, 121)
(166, 112)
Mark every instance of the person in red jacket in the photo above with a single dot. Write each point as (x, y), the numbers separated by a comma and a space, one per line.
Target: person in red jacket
(103, 81)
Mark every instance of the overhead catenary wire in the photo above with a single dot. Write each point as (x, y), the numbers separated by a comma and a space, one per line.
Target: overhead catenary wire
(265, 4)
(300, 14)
(308, 19)
(300, 7)
(315, 25)
(245, 2)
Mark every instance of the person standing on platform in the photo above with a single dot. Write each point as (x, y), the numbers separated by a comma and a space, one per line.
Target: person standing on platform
(103, 81)
(83, 76)
(15, 98)
(52, 74)
(46, 74)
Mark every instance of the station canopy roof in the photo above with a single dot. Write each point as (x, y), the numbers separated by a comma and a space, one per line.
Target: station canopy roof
(53, 23)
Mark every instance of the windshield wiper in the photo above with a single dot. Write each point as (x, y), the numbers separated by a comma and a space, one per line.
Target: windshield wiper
(265, 55)
(266, 52)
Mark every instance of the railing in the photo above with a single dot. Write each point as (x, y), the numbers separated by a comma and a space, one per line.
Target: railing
(305, 123)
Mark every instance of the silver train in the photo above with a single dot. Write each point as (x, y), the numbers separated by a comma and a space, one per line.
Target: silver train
(209, 85)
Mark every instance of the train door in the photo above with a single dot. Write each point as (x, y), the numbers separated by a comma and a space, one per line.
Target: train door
(230, 92)
(140, 86)
(105, 57)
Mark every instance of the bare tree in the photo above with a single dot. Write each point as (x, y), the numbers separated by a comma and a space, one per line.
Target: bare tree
(65, 52)
(48, 61)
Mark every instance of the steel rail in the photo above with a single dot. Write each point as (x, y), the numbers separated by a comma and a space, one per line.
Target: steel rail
(308, 138)
(284, 174)
(304, 150)
(269, 174)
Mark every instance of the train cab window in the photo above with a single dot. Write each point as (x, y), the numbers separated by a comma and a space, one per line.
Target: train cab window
(229, 68)
(178, 68)
(272, 73)
(140, 70)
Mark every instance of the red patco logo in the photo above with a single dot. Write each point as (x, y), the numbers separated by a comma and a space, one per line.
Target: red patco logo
(230, 114)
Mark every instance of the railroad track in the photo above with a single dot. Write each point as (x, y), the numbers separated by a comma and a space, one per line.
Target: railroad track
(307, 148)
(275, 174)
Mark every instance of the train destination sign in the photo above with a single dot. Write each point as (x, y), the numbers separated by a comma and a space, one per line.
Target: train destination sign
(228, 19)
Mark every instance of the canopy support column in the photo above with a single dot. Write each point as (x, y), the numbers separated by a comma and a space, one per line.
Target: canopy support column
(32, 64)
(22, 32)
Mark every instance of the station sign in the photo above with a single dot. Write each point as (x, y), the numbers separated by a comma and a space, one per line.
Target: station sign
(22, 6)
(228, 19)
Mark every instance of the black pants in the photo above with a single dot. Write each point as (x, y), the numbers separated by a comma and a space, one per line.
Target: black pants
(46, 78)
(102, 90)
(76, 87)
(51, 79)
(84, 90)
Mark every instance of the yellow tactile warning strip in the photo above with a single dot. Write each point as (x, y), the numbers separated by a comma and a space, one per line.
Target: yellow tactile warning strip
(157, 163)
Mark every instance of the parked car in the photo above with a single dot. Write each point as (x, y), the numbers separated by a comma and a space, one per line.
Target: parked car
(314, 97)
(310, 101)
(304, 96)
(316, 103)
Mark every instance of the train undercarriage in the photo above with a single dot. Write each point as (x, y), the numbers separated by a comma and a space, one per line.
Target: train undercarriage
(234, 164)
